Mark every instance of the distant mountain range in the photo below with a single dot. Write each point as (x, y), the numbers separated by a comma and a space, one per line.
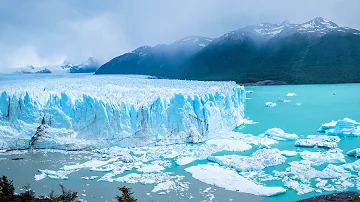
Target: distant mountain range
(89, 66)
(318, 51)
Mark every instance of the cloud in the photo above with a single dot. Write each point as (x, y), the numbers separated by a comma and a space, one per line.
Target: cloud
(44, 32)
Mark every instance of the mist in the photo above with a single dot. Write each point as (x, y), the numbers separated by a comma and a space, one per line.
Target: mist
(44, 33)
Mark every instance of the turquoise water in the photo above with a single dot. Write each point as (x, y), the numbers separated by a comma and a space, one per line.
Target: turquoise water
(319, 104)
(313, 106)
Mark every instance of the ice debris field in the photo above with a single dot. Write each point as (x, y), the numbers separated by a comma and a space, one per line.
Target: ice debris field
(137, 129)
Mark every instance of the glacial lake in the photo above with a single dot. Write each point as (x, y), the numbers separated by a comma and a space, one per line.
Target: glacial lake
(312, 106)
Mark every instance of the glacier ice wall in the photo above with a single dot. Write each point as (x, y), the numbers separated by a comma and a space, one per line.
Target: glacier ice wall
(97, 111)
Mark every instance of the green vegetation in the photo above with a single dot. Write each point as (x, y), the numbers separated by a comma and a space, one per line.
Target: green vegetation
(7, 194)
(126, 195)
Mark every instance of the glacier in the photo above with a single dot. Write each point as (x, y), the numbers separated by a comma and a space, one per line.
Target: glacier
(127, 111)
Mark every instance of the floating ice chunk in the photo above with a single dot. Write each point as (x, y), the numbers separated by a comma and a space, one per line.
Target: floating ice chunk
(326, 126)
(184, 160)
(89, 164)
(354, 153)
(122, 153)
(260, 159)
(330, 156)
(150, 168)
(345, 127)
(90, 178)
(288, 153)
(320, 183)
(229, 145)
(284, 100)
(170, 155)
(301, 188)
(40, 176)
(164, 186)
(248, 122)
(270, 104)
(354, 167)
(265, 142)
(318, 141)
(298, 175)
(249, 91)
(291, 94)
(278, 134)
(230, 180)
(55, 174)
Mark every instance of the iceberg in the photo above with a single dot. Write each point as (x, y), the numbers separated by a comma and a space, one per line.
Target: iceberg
(230, 180)
(259, 160)
(270, 104)
(354, 167)
(299, 174)
(291, 94)
(322, 141)
(331, 156)
(103, 111)
(345, 127)
(354, 153)
(279, 134)
(184, 160)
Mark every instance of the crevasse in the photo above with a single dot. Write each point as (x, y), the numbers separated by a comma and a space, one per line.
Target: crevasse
(97, 111)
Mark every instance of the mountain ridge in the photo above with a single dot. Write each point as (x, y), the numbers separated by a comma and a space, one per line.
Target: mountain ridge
(282, 52)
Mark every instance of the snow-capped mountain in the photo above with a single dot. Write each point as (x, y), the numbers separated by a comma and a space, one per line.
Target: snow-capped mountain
(190, 43)
(316, 27)
(194, 41)
(316, 51)
(90, 65)
(41, 70)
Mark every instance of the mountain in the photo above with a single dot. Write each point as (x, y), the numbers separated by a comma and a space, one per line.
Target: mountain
(157, 61)
(89, 66)
(318, 51)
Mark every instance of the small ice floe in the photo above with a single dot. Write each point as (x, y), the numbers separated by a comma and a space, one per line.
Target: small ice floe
(170, 154)
(259, 160)
(300, 173)
(331, 156)
(164, 186)
(354, 167)
(230, 180)
(90, 178)
(288, 153)
(150, 168)
(184, 160)
(229, 145)
(249, 91)
(249, 122)
(279, 134)
(89, 164)
(322, 141)
(59, 175)
(354, 153)
(345, 127)
(283, 100)
(40, 176)
(291, 94)
(270, 104)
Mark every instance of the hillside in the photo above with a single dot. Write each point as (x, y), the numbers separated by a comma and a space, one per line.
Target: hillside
(318, 51)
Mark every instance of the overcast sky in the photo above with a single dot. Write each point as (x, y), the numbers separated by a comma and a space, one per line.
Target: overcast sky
(45, 32)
